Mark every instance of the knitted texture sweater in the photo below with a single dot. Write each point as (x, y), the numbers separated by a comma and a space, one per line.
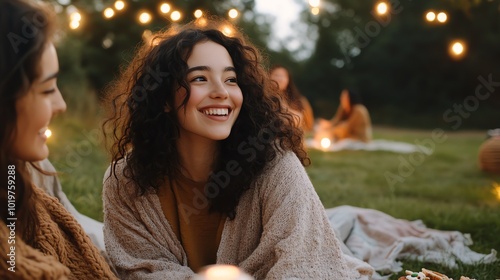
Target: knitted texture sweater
(63, 250)
(280, 231)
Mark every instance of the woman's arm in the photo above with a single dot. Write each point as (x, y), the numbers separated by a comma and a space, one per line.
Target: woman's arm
(138, 239)
(297, 240)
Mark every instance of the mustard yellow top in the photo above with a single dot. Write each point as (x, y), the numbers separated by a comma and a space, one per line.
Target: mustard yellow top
(355, 125)
(187, 210)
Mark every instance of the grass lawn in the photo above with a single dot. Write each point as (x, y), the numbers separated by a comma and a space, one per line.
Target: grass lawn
(446, 190)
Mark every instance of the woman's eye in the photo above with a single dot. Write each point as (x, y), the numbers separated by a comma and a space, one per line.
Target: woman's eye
(49, 91)
(232, 80)
(198, 79)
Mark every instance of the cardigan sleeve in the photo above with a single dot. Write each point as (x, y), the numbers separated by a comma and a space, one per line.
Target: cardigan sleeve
(135, 235)
(297, 237)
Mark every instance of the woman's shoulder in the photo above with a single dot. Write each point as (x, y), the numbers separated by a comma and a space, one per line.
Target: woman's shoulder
(116, 180)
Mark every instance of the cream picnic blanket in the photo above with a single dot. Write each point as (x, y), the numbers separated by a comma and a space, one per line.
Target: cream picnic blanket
(382, 240)
(374, 145)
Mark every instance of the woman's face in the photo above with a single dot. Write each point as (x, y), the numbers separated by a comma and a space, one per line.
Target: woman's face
(35, 109)
(216, 98)
(280, 75)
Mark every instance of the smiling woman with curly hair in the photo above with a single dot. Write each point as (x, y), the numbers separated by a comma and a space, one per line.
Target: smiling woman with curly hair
(207, 166)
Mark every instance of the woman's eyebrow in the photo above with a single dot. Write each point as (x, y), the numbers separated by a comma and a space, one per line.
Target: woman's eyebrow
(50, 77)
(207, 68)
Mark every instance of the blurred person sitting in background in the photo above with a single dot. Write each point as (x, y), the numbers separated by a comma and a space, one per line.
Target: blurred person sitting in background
(352, 120)
(295, 101)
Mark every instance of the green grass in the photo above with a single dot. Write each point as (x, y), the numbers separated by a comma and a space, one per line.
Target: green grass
(446, 190)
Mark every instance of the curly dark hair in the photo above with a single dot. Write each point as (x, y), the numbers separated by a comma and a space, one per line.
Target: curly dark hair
(145, 135)
(25, 29)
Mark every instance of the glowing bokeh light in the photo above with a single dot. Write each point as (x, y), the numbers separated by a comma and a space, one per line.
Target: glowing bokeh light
(315, 11)
(314, 3)
(233, 13)
(442, 17)
(119, 5)
(76, 16)
(496, 190)
(74, 24)
(430, 16)
(175, 16)
(109, 13)
(48, 133)
(382, 8)
(325, 143)
(165, 8)
(457, 49)
(198, 13)
(145, 17)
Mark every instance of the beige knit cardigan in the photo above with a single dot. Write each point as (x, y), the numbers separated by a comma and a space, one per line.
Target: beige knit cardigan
(64, 250)
(280, 231)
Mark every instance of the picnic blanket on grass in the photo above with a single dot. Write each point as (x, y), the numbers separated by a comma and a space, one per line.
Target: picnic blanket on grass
(374, 145)
(382, 240)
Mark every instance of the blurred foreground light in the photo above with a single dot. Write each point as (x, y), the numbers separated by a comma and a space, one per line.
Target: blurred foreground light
(227, 30)
(233, 13)
(76, 16)
(48, 133)
(119, 5)
(496, 190)
(175, 15)
(457, 49)
(74, 24)
(222, 272)
(109, 13)
(314, 3)
(198, 13)
(430, 16)
(145, 17)
(382, 8)
(442, 17)
(165, 8)
(202, 22)
(315, 11)
(325, 143)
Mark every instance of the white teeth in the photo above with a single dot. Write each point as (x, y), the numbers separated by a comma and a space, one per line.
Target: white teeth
(216, 111)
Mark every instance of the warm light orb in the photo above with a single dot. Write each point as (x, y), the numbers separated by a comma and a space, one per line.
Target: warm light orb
(74, 24)
(430, 16)
(198, 13)
(175, 15)
(442, 17)
(165, 8)
(315, 11)
(457, 49)
(233, 13)
(314, 3)
(202, 22)
(227, 30)
(222, 272)
(76, 16)
(325, 143)
(48, 133)
(496, 190)
(382, 8)
(145, 17)
(109, 13)
(119, 5)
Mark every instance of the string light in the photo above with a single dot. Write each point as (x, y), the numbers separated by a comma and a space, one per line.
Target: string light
(233, 13)
(109, 13)
(144, 17)
(48, 133)
(430, 16)
(457, 49)
(315, 11)
(442, 17)
(382, 8)
(75, 19)
(175, 15)
(165, 8)
(198, 13)
(119, 5)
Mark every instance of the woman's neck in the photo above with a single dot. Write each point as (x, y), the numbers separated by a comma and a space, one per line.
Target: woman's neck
(197, 158)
